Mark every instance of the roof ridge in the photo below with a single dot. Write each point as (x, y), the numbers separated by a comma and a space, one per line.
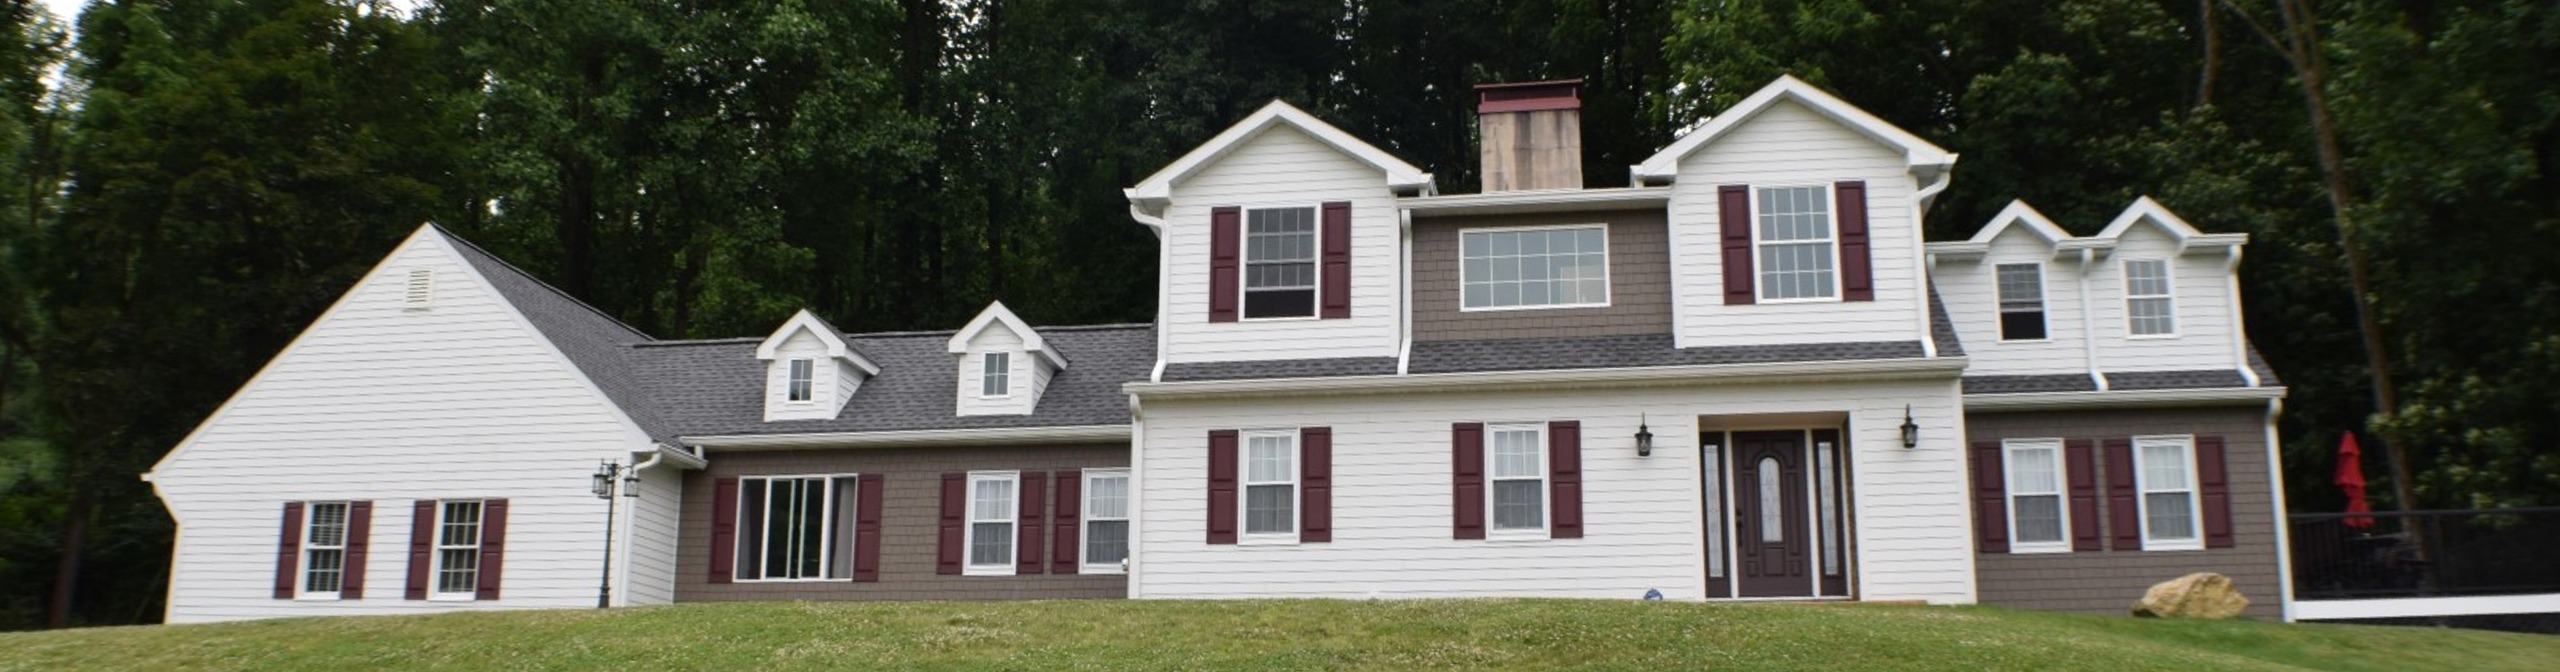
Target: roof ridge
(465, 243)
(696, 341)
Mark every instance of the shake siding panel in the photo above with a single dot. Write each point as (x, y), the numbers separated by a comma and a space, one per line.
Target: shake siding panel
(1639, 281)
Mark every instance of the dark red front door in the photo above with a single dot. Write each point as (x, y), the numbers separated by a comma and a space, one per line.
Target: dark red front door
(1769, 515)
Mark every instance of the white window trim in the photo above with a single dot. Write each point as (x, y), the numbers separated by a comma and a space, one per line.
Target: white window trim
(1760, 287)
(1244, 488)
(969, 524)
(435, 571)
(2061, 492)
(2195, 494)
(827, 523)
(1999, 313)
(302, 559)
(983, 374)
(1084, 525)
(788, 378)
(1608, 277)
(2169, 278)
(1546, 481)
(1244, 262)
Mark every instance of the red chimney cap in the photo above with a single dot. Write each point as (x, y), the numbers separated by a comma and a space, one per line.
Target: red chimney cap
(1561, 94)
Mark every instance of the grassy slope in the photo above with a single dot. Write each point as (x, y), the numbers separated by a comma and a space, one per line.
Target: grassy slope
(1272, 635)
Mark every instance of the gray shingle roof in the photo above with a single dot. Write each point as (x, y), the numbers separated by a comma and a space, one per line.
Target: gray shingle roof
(1942, 329)
(2266, 374)
(596, 343)
(1628, 351)
(2065, 382)
(1280, 368)
(708, 388)
(2175, 380)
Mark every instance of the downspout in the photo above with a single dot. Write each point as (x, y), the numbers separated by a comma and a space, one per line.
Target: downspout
(2284, 526)
(1164, 266)
(1919, 211)
(1404, 290)
(2239, 337)
(2088, 319)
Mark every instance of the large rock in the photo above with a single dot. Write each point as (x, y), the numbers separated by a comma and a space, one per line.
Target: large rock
(2198, 595)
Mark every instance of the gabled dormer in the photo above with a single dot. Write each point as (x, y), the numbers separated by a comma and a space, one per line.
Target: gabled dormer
(810, 372)
(1004, 364)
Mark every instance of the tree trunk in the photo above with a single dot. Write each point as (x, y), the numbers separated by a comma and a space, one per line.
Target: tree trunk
(2212, 32)
(66, 569)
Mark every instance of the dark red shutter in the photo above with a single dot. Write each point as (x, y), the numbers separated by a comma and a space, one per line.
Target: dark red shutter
(1337, 261)
(955, 500)
(1066, 518)
(1990, 498)
(1027, 529)
(1315, 484)
(2213, 477)
(2124, 506)
(866, 527)
(1466, 498)
(422, 548)
(1222, 486)
(1857, 271)
(1564, 474)
(2082, 468)
(1226, 238)
(493, 547)
(1733, 214)
(289, 551)
(359, 536)
(724, 529)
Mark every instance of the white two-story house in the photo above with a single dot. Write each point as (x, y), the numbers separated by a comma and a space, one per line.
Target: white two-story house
(1743, 375)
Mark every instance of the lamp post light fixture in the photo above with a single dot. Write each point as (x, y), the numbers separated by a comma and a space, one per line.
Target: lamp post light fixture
(611, 476)
(1644, 438)
(1910, 429)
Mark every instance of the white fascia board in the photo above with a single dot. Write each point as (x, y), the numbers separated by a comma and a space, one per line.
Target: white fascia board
(1651, 376)
(1159, 186)
(2020, 214)
(678, 457)
(2214, 396)
(919, 437)
(1543, 200)
(2189, 238)
(994, 314)
(826, 333)
(1917, 153)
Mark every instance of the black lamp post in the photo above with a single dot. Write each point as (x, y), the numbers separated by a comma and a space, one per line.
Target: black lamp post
(611, 476)
(1644, 438)
(1910, 430)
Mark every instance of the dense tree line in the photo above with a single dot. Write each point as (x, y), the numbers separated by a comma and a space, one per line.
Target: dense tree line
(185, 184)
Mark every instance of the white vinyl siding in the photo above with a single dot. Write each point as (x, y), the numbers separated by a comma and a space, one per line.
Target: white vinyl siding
(1544, 267)
(989, 536)
(2150, 306)
(648, 574)
(1271, 484)
(1106, 520)
(324, 550)
(2038, 522)
(1517, 468)
(1792, 237)
(1790, 144)
(2164, 469)
(997, 377)
(1282, 167)
(381, 403)
(457, 548)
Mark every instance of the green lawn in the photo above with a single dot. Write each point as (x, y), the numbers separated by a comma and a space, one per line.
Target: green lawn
(1272, 635)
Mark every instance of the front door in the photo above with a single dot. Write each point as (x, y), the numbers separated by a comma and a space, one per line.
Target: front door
(1769, 515)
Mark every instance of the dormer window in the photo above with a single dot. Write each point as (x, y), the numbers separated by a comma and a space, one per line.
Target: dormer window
(2021, 302)
(2149, 304)
(1280, 263)
(997, 379)
(803, 373)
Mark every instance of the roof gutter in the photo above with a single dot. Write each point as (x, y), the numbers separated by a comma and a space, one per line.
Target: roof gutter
(919, 437)
(1650, 376)
(2214, 396)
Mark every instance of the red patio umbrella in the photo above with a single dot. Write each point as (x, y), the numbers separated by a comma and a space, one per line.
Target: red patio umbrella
(2351, 481)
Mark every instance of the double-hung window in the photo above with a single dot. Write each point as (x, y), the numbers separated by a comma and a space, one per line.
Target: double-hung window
(1271, 483)
(457, 548)
(2150, 305)
(1280, 262)
(324, 550)
(1106, 519)
(795, 528)
(991, 522)
(2164, 472)
(2021, 302)
(803, 372)
(995, 374)
(1534, 268)
(1519, 475)
(1796, 244)
(2036, 520)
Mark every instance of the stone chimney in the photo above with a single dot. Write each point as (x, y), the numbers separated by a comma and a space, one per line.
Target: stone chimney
(1530, 135)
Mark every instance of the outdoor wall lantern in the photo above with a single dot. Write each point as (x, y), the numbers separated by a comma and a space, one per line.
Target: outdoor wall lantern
(1910, 430)
(1644, 438)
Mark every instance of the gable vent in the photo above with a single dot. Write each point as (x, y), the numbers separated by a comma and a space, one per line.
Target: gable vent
(422, 288)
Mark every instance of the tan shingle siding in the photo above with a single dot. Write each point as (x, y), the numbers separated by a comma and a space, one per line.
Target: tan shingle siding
(2109, 581)
(1639, 281)
(909, 519)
